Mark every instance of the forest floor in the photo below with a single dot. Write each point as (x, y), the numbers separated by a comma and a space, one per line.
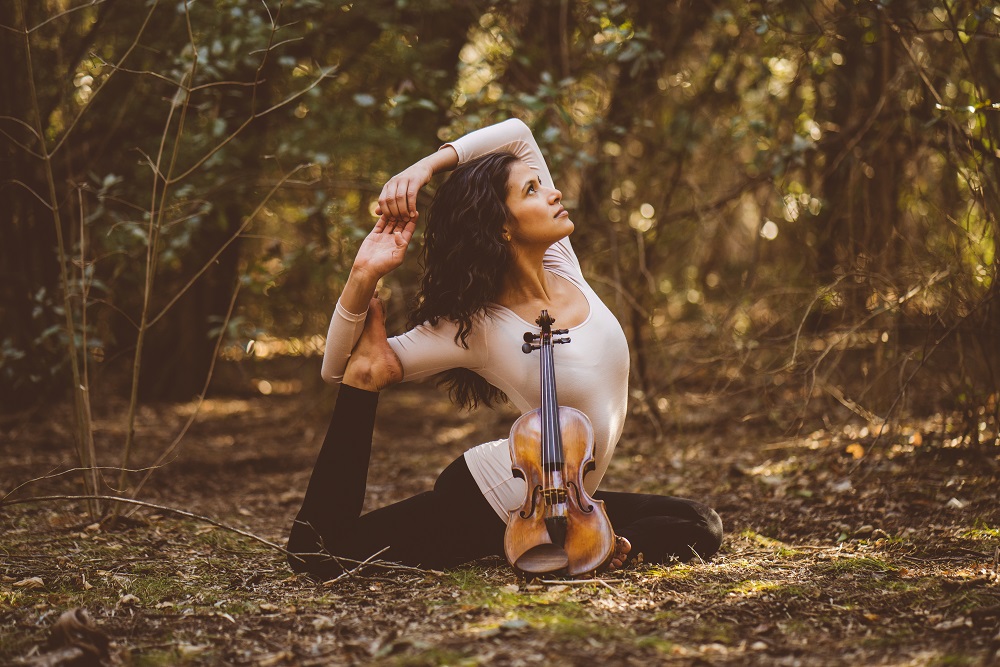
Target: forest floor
(839, 549)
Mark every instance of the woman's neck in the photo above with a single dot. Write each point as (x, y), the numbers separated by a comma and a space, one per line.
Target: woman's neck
(526, 281)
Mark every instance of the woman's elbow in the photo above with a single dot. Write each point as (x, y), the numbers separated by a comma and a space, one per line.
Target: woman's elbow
(330, 377)
(522, 128)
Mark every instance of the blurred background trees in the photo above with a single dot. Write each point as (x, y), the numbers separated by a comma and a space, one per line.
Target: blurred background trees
(790, 202)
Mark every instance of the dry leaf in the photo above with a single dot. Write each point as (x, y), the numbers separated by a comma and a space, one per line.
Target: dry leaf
(191, 650)
(33, 582)
(275, 659)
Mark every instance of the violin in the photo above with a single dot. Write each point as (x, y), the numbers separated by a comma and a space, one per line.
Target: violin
(560, 528)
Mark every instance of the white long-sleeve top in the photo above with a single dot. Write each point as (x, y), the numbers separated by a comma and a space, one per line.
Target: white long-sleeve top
(591, 371)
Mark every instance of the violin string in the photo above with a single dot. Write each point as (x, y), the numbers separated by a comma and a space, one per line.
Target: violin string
(550, 416)
(546, 412)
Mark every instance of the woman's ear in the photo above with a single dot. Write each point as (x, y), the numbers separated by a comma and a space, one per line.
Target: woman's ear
(506, 235)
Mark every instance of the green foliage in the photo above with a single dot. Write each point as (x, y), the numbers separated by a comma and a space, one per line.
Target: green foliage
(806, 194)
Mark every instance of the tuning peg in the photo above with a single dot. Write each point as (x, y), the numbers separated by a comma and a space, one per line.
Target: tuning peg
(527, 348)
(530, 337)
(567, 339)
(556, 332)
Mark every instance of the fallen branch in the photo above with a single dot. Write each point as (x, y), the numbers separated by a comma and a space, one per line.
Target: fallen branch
(347, 573)
(370, 561)
(161, 508)
(581, 582)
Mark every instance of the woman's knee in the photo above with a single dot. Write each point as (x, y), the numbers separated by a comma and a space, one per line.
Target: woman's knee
(666, 538)
(308, 553)
(705, 531)
(710, 544)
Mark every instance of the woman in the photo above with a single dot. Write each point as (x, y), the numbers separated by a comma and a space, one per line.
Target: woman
(496, 253)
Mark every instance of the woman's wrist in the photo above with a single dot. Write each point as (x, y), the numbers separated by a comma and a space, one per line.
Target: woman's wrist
(442, 160)
(358, 290)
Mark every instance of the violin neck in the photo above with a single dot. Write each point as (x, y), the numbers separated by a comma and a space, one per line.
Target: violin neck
(552, 449)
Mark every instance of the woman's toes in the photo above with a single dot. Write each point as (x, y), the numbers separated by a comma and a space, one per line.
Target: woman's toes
(623, 547)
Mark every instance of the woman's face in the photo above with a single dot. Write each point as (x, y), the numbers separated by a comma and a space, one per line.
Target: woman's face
(538, 216)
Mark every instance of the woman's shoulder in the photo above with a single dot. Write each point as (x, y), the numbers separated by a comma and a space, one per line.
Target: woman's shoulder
(561, 257)
(449, 330)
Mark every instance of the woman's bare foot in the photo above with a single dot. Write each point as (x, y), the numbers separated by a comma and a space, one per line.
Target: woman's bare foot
(622, 549)
(373, 365)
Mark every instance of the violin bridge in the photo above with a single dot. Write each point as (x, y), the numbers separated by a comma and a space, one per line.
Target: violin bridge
(555, 496)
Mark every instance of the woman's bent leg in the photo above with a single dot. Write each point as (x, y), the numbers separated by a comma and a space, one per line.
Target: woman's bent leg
(451, 525)
(663, 528)
(441, 528)
(336, 491)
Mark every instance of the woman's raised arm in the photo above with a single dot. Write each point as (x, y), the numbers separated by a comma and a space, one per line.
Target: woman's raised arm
(510, 136)
(398, 199)
(382, 251)
(385, 246)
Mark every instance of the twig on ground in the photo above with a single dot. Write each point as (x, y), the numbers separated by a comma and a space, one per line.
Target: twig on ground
(581, 582)
(53, 475)
(370, 561)
(347, 573)
(162, 508)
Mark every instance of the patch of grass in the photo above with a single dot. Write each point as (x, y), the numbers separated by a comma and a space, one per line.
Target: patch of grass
(152, 589)
(218, 538)
(678, 571)
(535, 603)
(656, 643)
(161, 657)
(10, 600)
(431, 657)
(889, 636)
(480, 590)
(779, 547)
(984, 533)
(18, 643)
(902, 585)
(969, 601)
(796, 628)
(155, 658)
(565, 621)
(709, 632)
(859, 565)
(665, 616)
(751, 586)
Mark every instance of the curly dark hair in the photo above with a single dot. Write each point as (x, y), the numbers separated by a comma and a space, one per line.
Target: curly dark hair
(465, 259)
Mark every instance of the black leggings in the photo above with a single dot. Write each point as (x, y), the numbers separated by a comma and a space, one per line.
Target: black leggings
(454, 523)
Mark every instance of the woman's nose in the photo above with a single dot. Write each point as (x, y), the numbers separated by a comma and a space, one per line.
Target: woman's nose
(555, 196)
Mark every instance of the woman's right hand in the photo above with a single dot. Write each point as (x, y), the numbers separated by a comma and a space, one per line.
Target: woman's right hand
(398, 200)
(385, 247)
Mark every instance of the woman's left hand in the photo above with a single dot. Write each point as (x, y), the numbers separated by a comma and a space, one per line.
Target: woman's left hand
(398, 200)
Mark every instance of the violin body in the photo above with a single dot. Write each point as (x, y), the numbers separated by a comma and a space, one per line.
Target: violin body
(559, 528)
(589, 540)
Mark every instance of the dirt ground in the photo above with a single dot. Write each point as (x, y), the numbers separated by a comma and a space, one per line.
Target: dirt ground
(840, 549)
